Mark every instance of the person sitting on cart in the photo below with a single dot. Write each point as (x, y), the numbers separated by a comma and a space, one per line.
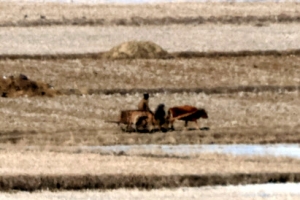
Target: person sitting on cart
(144, 103)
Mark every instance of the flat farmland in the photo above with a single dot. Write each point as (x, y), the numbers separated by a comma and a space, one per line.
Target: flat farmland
(36, 14)
(33, 170)
(250, 98)
(28, 28)
(94, 39)
(266, 114)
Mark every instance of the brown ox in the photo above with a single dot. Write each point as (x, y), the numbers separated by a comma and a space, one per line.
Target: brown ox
(185, 113)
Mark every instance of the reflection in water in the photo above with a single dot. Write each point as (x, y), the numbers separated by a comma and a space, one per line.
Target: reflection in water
(287, 150)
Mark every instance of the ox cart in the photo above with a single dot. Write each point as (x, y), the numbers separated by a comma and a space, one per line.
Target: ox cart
(146, 121)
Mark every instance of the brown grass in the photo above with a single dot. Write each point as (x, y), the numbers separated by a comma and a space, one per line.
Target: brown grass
(85, 74)
(83, 182)
(250, 99)
(268, 115)
(80, 120)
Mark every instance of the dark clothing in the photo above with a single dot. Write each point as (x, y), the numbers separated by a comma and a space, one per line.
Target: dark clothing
(160, 114)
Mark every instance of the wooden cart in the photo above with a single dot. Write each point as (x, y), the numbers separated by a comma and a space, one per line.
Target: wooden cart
(135, 121)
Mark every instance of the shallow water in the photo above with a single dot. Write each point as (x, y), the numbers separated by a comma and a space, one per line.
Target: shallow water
(285, 150)
(242, 192)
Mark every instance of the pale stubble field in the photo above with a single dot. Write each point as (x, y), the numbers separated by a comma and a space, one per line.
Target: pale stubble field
(93, 39)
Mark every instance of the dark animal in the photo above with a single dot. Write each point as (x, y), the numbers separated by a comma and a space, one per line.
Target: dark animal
(160, 116)
(185, 113)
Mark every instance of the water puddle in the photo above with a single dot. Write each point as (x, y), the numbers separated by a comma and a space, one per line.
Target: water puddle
(285, 150)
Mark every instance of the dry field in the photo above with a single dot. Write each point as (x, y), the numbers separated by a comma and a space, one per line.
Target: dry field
(30, 14)
(19, 161)
(173, 38)
(249, 99)
(33, 170)
(265, 113)
(99, 74)
(79, 28)
(80, 120)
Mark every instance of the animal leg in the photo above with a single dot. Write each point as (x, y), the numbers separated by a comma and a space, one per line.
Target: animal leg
(197, 125)
(151, 126)
(172, 126)
(129, 127)
(186, 123)
(170, 123)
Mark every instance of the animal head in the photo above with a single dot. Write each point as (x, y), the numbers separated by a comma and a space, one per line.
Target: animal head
(160, 107)
(202, 113)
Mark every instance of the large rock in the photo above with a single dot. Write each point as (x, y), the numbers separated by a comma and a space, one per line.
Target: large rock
(136, 49)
